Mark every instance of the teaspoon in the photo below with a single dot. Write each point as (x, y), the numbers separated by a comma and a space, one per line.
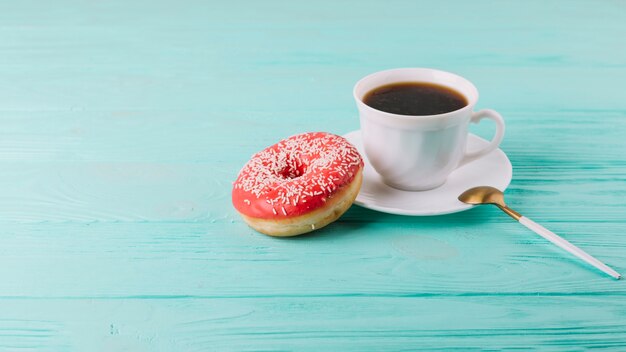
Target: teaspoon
(491, 195)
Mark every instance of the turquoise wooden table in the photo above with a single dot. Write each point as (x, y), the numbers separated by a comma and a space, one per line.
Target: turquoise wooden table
(123, 124)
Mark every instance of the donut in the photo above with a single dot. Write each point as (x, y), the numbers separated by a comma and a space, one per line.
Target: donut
(299, 184)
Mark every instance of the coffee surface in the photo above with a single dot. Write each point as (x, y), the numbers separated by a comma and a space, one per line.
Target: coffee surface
(415, 98)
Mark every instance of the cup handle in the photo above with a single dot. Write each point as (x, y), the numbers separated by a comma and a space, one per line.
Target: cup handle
(497, 138)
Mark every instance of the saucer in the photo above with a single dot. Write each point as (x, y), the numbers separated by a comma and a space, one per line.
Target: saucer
(493, 169)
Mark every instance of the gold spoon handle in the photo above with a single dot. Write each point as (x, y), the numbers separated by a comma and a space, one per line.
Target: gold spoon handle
(510, 212)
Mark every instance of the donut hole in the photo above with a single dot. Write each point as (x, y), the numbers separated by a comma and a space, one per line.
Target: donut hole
(292, 172)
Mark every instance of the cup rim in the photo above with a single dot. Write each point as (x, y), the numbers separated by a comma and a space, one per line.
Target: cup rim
(470, 102)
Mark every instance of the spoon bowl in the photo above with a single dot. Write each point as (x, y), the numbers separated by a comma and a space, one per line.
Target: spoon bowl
(488, 195)
(482, 195)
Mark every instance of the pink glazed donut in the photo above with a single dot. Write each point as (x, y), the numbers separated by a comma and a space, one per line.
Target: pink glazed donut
(299, 184)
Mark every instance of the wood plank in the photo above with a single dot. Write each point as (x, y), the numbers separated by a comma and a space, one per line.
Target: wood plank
(313, 324)
(423, 257)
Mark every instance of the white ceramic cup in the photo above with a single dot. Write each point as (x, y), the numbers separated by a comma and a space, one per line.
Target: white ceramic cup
(417, 153)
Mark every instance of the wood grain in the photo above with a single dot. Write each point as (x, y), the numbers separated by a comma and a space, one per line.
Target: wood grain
(123, 124)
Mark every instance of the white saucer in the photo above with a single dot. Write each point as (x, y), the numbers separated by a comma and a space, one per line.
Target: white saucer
(494, 170)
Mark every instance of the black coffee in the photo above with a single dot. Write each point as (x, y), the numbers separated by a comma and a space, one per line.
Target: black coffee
(415, 98)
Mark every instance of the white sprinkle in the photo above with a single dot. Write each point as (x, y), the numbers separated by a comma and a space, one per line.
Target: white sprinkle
(246, 201)
(312, 226)
(274, 211)
(284, 212)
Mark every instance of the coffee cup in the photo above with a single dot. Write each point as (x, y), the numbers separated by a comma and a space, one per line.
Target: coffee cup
(418, 152)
